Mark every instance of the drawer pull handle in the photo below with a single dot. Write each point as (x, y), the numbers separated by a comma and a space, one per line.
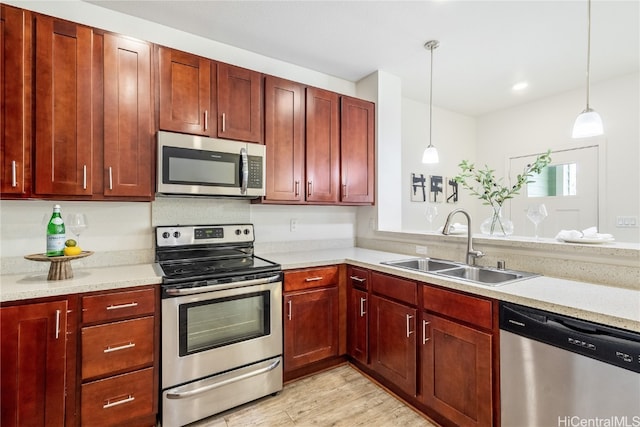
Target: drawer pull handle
(111, 404)
(118, 348)
(313, 279)
(119, 306)
(424, 332)
(409, 332)
(362, 311)
(358, 279)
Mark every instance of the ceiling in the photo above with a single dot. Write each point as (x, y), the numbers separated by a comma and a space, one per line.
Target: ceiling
(485, 46)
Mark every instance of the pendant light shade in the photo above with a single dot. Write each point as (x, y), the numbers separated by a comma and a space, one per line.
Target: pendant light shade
(430, 154)
(588, 123)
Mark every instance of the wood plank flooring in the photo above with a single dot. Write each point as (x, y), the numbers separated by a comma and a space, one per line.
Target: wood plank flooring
(341, 396)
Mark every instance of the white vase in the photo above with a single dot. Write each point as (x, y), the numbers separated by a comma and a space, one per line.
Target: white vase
(496, 224)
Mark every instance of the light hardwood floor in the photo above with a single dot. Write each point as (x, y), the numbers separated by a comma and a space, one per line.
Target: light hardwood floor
(341, 396)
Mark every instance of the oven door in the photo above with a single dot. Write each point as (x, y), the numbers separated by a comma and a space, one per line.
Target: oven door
(207, 333)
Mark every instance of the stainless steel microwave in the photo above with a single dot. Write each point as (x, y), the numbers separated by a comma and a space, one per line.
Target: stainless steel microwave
(200, 166)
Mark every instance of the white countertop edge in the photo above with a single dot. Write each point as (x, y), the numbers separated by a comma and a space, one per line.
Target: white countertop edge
(617, 307)
(19, 287)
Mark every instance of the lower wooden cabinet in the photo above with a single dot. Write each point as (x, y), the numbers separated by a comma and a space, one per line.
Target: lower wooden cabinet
(456, 366)
(34, 357)
(311, 317)
(393, 342)
(358, 314)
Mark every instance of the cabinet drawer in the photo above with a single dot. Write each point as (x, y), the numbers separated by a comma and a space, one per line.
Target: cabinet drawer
(117, 305)
(477, 311)
(394, 287)
(358, 277)
(310, 278)
(117, 346)
(115, 400)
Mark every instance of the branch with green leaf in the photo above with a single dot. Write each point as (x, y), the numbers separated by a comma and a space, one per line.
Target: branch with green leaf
(483, 184)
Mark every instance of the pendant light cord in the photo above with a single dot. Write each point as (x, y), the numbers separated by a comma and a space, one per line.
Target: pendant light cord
(588, 48)
(431, 95)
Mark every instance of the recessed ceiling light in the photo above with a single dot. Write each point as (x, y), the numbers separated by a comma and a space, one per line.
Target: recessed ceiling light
(519, 86)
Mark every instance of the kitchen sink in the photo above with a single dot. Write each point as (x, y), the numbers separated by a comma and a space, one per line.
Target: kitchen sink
(422, 264)
(485, 275)
(480, 275)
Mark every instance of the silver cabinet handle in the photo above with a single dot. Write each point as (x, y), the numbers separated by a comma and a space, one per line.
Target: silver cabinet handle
(84, 177)
(120, 306)
(289, 309)
(14, 174)
(297, 188)
(224, 122)
(118, 348)
(424, 331)
(358, 279)
(313, 279)
(206, 119)
(362, 311)
(409, 332)
(309, 184)
(110, 404)
(58, 324)
(344, 190)
(110, 178)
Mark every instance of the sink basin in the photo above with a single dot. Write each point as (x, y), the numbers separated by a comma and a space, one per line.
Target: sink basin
(485, 275)
(422, 264)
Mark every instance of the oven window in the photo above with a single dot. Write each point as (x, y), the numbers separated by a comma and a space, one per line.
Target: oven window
(218, 322)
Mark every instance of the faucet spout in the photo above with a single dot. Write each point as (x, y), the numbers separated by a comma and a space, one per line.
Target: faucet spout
(471, 253)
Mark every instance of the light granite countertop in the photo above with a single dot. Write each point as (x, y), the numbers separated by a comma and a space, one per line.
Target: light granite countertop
(608, 305)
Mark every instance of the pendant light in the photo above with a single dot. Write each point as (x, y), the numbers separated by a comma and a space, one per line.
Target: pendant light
(588, 123)
(430, 155)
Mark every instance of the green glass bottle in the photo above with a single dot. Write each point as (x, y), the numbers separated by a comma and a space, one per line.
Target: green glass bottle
(55, 233)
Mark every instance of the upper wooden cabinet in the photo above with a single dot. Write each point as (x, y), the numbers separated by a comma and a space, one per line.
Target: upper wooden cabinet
(63, 119)
(240, 109)
(322, 146)
(302, 135)
(185, 93)
(15, 95)
(128, 118)
(284, 139)
(357, 151)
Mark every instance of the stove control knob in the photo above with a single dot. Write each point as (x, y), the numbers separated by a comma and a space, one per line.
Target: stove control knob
(238, 232)
(247, 231)
(166, 235)
(176, 234)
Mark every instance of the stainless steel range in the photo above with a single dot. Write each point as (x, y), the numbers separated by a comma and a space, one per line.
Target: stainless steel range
(221, 321)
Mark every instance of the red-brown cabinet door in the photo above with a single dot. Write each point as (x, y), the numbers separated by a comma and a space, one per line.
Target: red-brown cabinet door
(323, 146)
(284, 139)
(15, 93)
(63, 119)
(128, 119)
(357, 146)
(185, 93)
(240, 110)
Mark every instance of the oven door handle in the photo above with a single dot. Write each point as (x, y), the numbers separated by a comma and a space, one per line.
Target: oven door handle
(220, 287)
(191, 393)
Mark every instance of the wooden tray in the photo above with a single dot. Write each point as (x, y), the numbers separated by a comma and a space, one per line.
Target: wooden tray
(60, 268)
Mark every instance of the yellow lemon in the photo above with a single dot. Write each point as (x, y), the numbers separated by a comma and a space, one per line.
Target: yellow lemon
(72, 250)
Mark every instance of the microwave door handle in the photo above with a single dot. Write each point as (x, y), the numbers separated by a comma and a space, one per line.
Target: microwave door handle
(245, 170)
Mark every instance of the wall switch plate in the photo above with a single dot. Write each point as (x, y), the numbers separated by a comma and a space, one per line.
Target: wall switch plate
(626, 221)
(422, 250)
(293, 225)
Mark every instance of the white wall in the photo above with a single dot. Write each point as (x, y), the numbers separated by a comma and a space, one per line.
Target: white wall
(547, 123)
(454, 137)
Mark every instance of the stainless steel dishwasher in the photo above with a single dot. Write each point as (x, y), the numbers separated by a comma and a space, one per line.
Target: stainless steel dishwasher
(559, 371)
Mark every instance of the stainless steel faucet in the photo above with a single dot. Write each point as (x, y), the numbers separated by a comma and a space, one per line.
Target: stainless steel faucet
(471, 253)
